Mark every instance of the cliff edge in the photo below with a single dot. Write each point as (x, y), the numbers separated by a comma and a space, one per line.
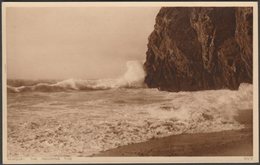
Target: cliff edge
(200, 48)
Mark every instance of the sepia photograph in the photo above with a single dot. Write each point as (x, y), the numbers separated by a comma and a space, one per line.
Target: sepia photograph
(95, 82)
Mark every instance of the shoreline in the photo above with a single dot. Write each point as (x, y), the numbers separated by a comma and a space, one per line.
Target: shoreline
(224, 143)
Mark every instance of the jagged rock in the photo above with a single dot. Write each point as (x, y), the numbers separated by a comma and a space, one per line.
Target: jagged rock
(200, 48)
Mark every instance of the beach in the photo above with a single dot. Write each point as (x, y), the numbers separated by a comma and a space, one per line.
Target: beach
(224, 143)
(126, 121)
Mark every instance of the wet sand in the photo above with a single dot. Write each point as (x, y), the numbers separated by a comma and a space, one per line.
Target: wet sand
(225, 143)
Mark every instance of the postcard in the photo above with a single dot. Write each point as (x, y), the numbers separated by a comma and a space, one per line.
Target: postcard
(130, 82)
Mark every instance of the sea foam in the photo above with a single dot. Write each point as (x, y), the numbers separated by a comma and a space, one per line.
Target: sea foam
(76, 123)
(133, 78)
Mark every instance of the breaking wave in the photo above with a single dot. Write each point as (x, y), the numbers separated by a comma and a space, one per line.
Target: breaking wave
(133, 78)
(76, 123)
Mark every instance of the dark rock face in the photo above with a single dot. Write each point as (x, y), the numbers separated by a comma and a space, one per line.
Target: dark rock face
(200, 48)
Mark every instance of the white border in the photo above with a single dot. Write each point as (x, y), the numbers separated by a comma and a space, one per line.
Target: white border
(128, 4)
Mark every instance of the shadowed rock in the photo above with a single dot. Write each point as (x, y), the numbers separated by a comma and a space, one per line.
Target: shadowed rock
(200, 48)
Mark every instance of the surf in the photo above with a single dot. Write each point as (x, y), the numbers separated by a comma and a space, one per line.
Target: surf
(107, 119)
(132, 78)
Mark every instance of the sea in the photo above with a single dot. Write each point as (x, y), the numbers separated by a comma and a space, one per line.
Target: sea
(80, 117)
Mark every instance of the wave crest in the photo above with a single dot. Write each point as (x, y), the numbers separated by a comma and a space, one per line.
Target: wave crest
(133, 78)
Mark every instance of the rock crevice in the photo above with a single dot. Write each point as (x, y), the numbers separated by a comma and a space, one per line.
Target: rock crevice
(200, 48)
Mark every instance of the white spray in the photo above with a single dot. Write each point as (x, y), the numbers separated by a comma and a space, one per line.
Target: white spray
(133, 78)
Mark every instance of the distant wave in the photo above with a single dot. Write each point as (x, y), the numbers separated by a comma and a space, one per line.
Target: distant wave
(133, 78)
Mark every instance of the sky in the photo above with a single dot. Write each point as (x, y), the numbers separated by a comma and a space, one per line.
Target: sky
(79, 42)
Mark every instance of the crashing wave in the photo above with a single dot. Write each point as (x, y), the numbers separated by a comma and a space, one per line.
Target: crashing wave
(133, 78)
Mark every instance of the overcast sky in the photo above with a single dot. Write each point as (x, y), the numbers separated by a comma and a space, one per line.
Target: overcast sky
(85, 43)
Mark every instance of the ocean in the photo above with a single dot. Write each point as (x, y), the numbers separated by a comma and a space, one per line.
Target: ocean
(83, 117)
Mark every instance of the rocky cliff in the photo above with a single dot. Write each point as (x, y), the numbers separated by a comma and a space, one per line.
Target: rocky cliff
(200, 48)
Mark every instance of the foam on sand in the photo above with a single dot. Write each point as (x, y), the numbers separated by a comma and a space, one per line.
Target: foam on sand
(88, 122)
